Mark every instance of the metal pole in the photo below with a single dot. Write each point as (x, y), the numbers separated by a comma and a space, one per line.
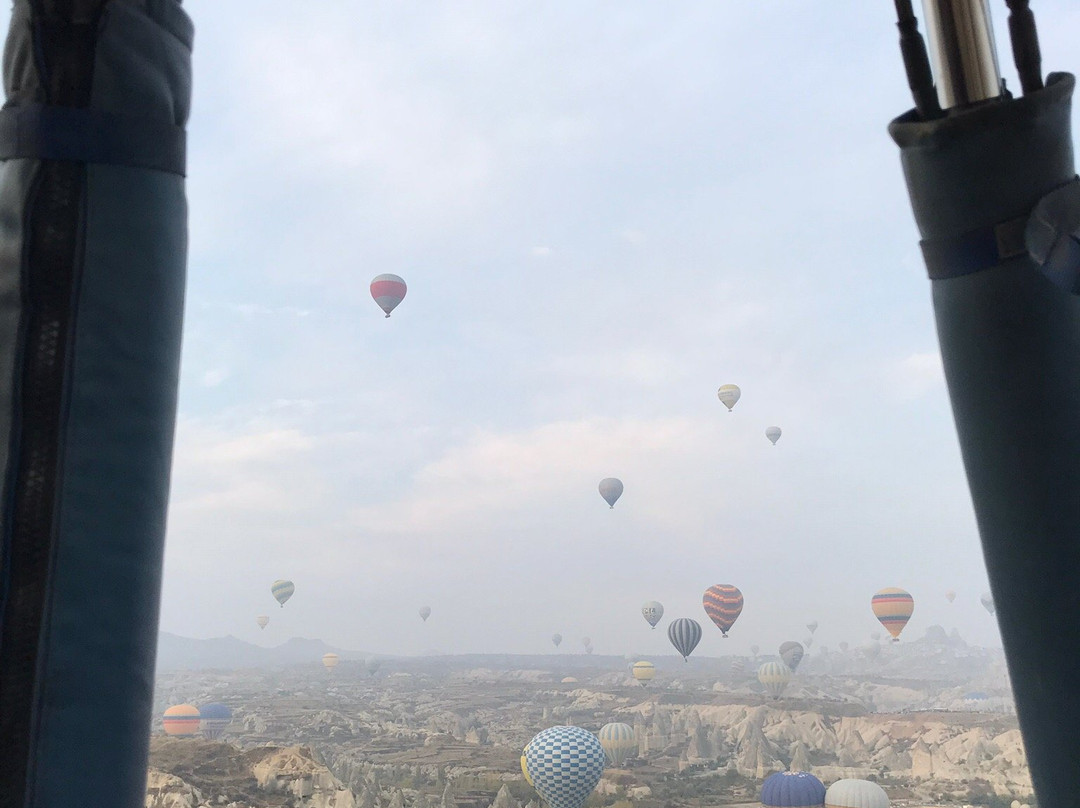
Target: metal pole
(962, 51)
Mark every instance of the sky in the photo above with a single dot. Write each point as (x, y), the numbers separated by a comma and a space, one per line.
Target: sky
(603, 211)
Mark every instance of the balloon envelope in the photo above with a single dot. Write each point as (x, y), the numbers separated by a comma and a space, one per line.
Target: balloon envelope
(738, 666)
(425, 613)
(619, 742)
(181, 720)
(775, 676)
(388, 290)
(723, 603)
(330, 661)
(729, 395)
(773, 434)
(213, 719)
(792, 790)
(791, 653)
(565, 764)
(263, 620)
(812, 626)
(684, 634)
(856, 794)
(987, 600)
(611, 489)
(893, 608)
(282, 590)
(557, 639)
(949, 596)
(652, 611)
(643, 672)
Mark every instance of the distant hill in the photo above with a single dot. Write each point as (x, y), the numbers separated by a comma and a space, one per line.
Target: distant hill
(229, 653)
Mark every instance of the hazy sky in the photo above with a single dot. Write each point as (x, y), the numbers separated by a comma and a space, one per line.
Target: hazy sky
(603, 210)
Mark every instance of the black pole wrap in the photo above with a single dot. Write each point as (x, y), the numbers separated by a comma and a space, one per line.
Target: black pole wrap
(1010, 340)
(93, 243)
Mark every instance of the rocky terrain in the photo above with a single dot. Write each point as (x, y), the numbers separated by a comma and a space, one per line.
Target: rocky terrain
(931, 721)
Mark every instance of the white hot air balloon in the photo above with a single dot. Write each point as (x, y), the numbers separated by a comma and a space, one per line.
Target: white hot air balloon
(773, 433)
(856, 794)
(263, 620)
(424, 612)
(729, 395)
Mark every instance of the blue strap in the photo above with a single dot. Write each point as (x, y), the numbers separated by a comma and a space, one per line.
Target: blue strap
(976, 250)
(86, 135)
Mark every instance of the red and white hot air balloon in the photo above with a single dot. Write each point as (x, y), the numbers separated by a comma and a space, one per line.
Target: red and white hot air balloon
(388, 290)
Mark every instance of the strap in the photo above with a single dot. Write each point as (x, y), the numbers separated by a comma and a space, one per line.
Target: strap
(86, 135)
(975, 250)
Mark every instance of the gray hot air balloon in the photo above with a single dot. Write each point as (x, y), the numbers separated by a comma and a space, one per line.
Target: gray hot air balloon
(684, 634)
(812, 626)
(773, 434)
(987, 600)
(652, 611)
(557, 639)
(611, 489)
(425, 613)
(792, 653)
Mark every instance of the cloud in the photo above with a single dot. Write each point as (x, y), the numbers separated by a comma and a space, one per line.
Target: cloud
(214, 377)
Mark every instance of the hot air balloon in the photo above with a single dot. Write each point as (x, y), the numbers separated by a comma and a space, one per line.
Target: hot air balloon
(566, 680)
(643, 672)
(213, 719)
(372, 665)
(652, 611)
(388, 290)
(425, 613)
(755, 649)
(557, 639)
(949, 596)
(611, 489)
(619, 743)
(263, 620)
(812, 626)
(729, 395)
(588, 649)
(181, 720)
(807, 642)
(792, 653)
(587, 642)
(856, 794)
(738, 666)
(775, 676)
(987, 600)
(684, 634)
(773, 434)
(792, 790)
(282, 591)
(564, 764)
(330, 661)
(843, 647)
(723, 603)
(893, 607)
(525, 768)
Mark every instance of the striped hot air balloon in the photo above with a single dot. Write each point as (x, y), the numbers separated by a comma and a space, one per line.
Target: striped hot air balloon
(893, 608)
(181, 720)
(388, 291)
(738, 666)
(684, 634)
(792, 790)
(213, 719)
(643, 672)
(723, 603)
(330, 661)
(282, 590)
(564, 764)
(775, 676)
(619, 743)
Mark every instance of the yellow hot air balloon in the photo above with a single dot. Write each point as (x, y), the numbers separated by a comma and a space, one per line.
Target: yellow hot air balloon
(893, 608)
(330, 661)
(644, 672)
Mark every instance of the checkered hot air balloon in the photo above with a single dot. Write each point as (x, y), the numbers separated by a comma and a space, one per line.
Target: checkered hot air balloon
(893, 608)
(684, 634)
(619, 743)
(388, 291)
(564, 765)
(723, 603)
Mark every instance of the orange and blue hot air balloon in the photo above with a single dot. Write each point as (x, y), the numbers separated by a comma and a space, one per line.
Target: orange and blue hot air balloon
(181, 720)
(723, 603)
(893, 608)
(388, 291)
